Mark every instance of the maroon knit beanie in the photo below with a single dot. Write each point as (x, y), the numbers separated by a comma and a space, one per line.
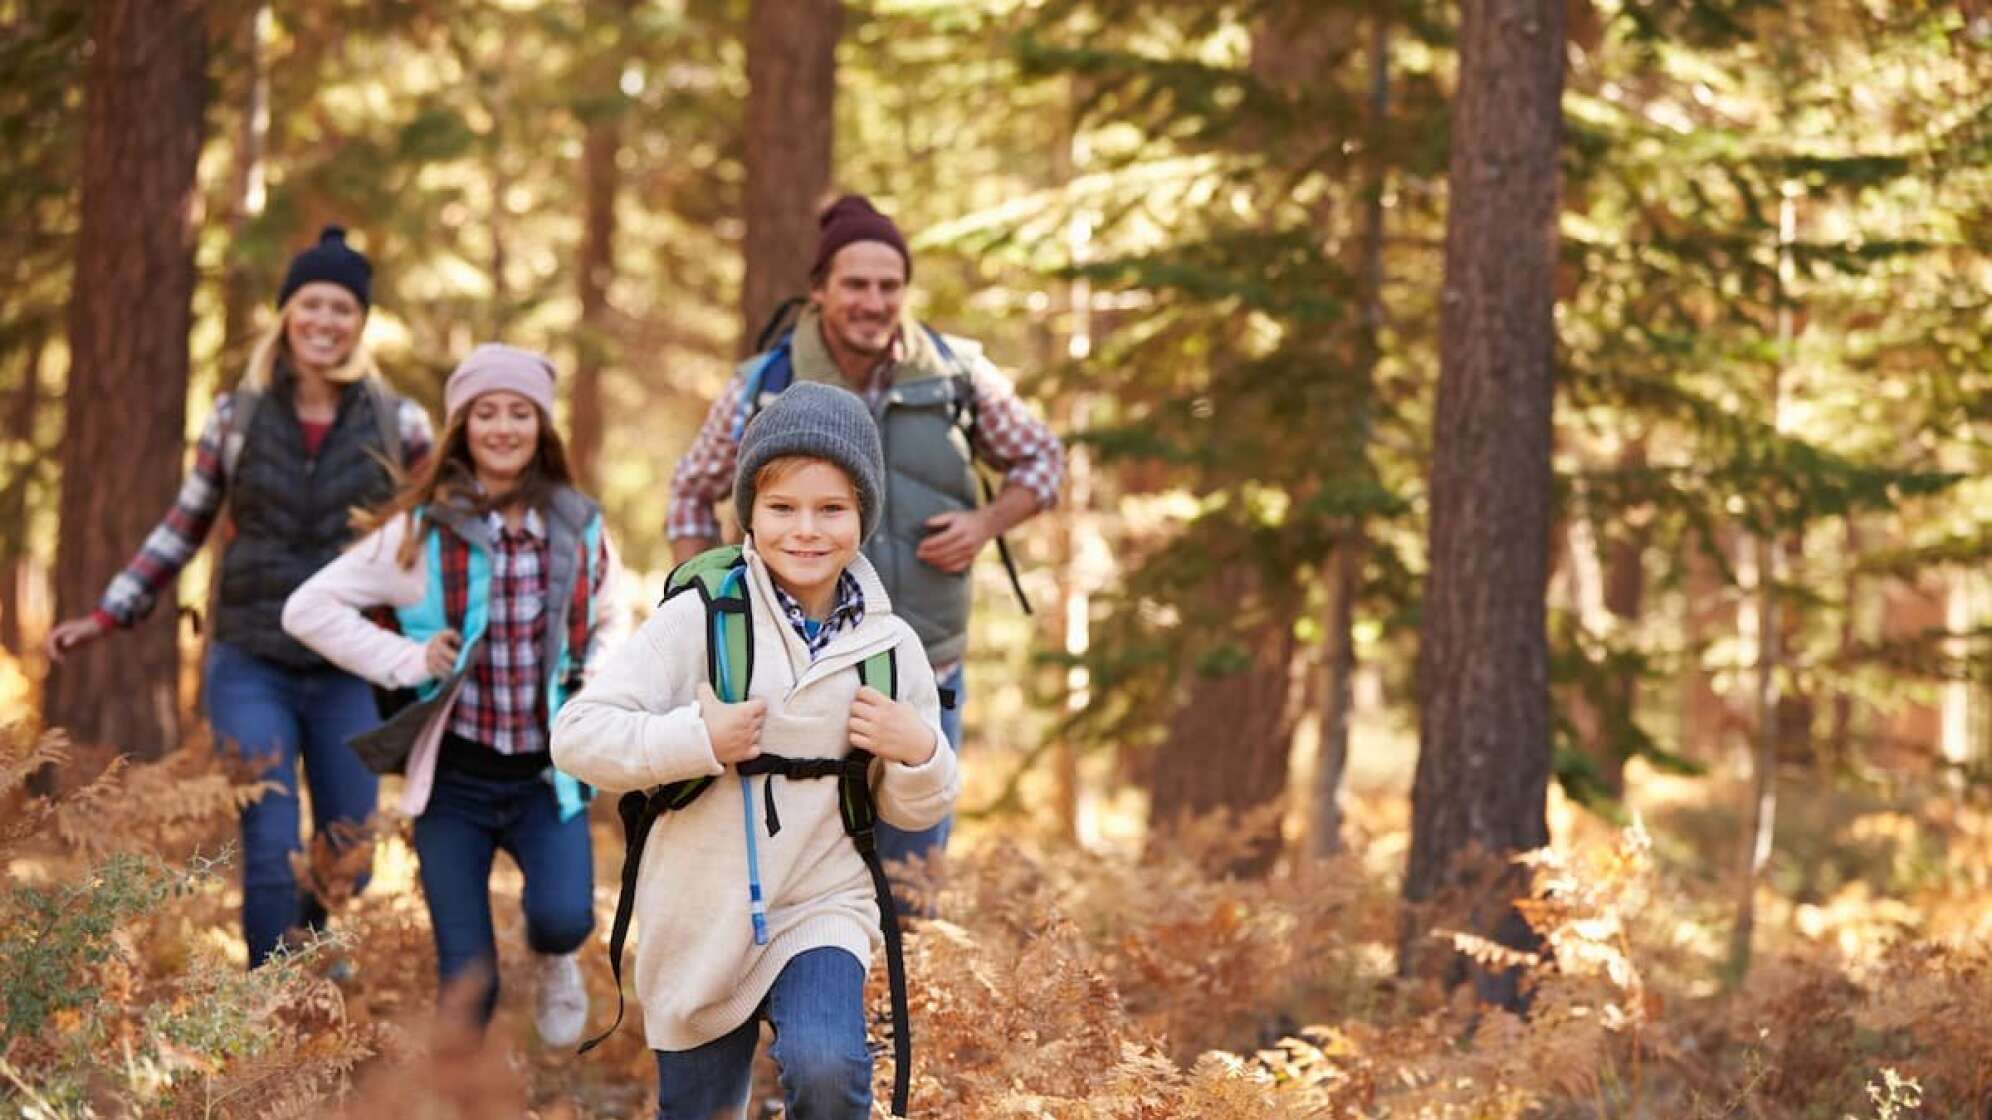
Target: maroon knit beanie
(854, 218)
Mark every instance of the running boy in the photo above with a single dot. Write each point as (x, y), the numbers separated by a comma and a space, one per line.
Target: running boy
(808, 488)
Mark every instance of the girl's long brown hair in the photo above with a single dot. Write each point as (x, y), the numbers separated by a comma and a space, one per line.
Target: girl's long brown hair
(449, 476)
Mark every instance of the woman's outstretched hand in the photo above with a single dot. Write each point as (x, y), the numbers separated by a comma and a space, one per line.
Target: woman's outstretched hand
(72, 635)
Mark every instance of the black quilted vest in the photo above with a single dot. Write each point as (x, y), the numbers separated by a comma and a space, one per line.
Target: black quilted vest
(292, 514)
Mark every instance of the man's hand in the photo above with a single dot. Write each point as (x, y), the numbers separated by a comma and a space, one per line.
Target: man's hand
(890, 729)
(953, 539)
(735, 729)
(440, 655)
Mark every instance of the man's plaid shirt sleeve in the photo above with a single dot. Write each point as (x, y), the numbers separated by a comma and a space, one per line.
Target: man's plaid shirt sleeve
(1009, 438)
(704, 477)
(133, 591)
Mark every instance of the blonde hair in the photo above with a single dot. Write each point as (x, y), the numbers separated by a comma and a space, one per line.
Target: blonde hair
(274, 343)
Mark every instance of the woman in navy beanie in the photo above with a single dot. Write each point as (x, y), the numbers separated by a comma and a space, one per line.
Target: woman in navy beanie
(306, 436)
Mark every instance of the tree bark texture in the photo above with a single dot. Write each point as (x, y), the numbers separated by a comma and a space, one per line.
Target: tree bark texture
(792, 86)
(1231, 735)
(601, 178)
(20, 457)
(247, 191)
(1484, 718)
(1339, 699)
(125, 404)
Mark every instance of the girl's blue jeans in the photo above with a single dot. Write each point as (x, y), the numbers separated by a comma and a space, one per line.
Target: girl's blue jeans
(469, 820)
(279, 715)
(817, 1007)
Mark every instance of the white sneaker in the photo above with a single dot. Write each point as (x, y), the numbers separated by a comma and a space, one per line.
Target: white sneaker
(560, 1004)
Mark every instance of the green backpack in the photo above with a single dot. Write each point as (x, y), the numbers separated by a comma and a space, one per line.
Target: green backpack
(719, 578)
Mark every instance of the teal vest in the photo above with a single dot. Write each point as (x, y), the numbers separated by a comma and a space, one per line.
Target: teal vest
(574, 524)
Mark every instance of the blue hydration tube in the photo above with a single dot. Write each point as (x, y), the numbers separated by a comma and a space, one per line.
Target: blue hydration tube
(757, 906)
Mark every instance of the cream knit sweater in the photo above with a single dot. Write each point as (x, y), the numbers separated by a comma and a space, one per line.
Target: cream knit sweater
(636, 725)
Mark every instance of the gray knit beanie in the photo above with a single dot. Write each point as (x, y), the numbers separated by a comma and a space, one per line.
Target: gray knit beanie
(821, 422)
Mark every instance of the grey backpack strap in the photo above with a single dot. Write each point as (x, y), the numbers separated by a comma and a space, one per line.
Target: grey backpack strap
(387, 417)
(967, 414)
(242, 413)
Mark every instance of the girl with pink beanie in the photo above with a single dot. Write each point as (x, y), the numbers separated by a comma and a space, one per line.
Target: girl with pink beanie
(487, 586)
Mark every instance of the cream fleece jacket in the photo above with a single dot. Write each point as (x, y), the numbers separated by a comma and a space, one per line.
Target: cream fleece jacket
(636, 725)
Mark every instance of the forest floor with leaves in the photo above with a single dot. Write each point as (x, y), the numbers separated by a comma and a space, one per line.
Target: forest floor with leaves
(1063, 982)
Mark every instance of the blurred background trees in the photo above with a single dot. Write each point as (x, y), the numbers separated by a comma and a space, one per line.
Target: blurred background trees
(1211, 241)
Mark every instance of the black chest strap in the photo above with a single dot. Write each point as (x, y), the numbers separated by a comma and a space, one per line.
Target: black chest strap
(641, 809)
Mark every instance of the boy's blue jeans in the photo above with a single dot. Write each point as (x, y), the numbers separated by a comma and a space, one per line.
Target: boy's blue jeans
(817, 1007)
(469, 819)
(270, 711)
(897, 844)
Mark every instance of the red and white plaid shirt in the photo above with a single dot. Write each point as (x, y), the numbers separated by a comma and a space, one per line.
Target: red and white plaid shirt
(1007, 437)
(502, 703)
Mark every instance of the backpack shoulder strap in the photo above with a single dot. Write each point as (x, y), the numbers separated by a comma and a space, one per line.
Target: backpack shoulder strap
(859, 811)
(387, 418)
(967, 415)
(241, 413)
(781, 322)
(718, 577)
(881, 671)
(771, 371)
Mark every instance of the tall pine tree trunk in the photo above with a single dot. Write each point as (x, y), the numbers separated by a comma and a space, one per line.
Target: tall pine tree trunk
(248, 191)
(125, 405)
(1347, 566)
(601, 177)
(20, 456)
(791, 92)
(1231, 736)
(1838, 754)
(1763, 812)
(1484, 729)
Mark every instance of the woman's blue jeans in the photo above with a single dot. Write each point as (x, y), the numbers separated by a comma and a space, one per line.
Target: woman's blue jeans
(469, 820)
(817, 1007)
(273, 713)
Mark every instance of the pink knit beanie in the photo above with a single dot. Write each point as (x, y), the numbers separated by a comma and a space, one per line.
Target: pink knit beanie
(495, 367)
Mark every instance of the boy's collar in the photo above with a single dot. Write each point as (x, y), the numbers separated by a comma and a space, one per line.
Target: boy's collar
(877, 602)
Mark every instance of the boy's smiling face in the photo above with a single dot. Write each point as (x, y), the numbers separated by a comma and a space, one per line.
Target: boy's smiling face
(806, 526)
